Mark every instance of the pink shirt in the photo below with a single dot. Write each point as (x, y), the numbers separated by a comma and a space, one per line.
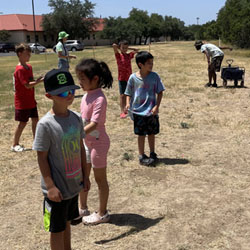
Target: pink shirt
(93, 109)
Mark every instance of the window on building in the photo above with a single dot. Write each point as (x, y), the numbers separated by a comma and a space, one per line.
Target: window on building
(88, 37)
(93, 36)
(37, 38)
(44, 38)
(52, 38)
(28, 38)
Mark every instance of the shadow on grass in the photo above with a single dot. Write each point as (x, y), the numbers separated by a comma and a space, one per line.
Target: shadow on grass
(173, 161)
(137, 222)
(232, 87)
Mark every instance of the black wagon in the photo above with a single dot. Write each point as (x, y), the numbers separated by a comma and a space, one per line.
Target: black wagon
(233, 73)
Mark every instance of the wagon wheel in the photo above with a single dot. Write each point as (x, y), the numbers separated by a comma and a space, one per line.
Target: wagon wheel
(235, 83)
(242, 83)
(224, 83)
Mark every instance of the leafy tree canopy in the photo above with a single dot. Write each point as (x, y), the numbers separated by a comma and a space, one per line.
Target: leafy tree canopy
(73, 16)
(4, 35)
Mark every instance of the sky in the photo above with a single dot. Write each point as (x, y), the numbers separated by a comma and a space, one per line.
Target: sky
(189, 11)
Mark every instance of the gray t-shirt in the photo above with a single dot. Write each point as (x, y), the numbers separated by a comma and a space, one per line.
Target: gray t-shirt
(212, 50)
(61, 137)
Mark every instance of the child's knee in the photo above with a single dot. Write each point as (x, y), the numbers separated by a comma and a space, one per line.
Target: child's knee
(22, 124)
(101, 181)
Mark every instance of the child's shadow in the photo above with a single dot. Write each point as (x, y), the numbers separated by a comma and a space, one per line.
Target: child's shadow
(172, 161)
(137, 222)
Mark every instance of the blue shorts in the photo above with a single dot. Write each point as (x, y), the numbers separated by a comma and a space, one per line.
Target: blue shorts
(63, 64)
(122, 87)
(146, 125)
(56, 214)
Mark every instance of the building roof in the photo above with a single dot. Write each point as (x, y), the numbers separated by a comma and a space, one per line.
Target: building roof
(99, 26)
(13, 22)
(20, 22)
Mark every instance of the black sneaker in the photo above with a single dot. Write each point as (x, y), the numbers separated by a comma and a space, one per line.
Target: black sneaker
(145, 160)
(214, 85)
(208, 85)
(153, 156)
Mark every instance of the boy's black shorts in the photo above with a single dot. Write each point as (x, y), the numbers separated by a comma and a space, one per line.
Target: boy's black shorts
(122, 87)
(56, 214)
(146, 125)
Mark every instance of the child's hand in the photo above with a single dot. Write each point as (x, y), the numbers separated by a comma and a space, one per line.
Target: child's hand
(126, 109)
(40, 79)
(114, 45)
(72, 56)
(155, 110)
(54, 194)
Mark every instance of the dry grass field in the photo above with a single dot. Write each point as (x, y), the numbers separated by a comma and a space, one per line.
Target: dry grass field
(196, 198)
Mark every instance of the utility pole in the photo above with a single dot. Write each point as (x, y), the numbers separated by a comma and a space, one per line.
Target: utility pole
(34, 22)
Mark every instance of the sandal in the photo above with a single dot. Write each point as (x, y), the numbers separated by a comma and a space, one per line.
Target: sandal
(82, 212)
(95, 219)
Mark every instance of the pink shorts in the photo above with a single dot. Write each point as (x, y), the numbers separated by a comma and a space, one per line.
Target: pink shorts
(96, 154)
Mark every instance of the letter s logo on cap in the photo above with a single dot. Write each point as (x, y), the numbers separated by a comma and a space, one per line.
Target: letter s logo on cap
(61, 79)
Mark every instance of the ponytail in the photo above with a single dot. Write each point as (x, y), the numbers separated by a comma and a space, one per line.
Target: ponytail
(91, 68)
(106, 79)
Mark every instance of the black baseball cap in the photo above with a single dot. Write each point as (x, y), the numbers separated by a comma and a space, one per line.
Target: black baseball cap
(198, 44)
(57, 81)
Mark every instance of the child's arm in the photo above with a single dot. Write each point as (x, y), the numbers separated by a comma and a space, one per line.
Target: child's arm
(60, 55)
(31, 84)
(54, 193)
(208, 57)
(115, 48)
(86, 181)
(134, 49)
(155, 109)
(128, 98)
(226, 48)
(90, 127)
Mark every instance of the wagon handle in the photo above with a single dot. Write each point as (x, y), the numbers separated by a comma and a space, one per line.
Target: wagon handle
(230, 61)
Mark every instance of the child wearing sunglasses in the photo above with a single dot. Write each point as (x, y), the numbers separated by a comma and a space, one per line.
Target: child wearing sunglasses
(61, 158)
(93, 76)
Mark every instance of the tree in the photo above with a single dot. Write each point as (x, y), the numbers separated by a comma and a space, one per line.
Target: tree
(173, 27)
(139, 20)
(73, 16)
(233, 22)
(117, 29)
(4, 35)
(156, 25)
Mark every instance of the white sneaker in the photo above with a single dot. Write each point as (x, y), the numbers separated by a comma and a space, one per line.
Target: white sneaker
(17, 148)
(95, 219)
(82, 212)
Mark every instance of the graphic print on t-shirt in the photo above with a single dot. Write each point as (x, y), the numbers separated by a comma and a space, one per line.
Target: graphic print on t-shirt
(71, 148)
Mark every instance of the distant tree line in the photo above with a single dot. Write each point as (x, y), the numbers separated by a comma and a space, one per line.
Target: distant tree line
(76, 17)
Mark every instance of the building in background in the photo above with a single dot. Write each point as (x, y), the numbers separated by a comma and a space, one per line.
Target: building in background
(21, 29)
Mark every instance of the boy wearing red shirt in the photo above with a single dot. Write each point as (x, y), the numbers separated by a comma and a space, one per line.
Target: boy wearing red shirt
(123, 60)
(25, 103)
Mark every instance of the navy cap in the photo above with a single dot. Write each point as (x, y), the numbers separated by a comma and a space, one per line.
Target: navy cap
(57, 81)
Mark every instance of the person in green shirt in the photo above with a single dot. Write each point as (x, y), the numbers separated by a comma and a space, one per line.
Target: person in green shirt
(62, 52)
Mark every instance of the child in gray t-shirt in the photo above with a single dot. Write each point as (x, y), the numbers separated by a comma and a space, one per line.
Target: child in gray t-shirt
(61, 158)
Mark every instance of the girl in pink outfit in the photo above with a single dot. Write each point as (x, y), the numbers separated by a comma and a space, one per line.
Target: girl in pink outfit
(93, 76)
